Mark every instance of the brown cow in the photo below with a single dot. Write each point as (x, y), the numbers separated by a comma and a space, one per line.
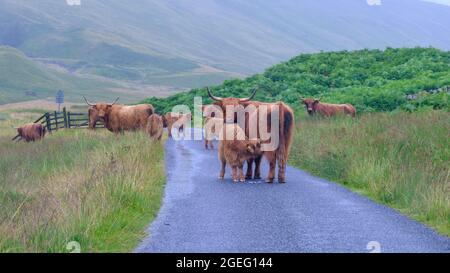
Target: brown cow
(280, 153)
(314, 106)
(235, 149)
(155, 127)
(176, 121)
(32, 132)
(213, 123)
(213, 127)
(119, 118)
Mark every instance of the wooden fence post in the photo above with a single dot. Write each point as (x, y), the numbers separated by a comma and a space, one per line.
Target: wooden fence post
(56, 121)
(48, 122)
(68, 120)
(65, 118)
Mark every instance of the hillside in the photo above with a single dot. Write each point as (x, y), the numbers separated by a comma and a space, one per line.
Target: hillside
(372, 80)
(24, 79)
(186, 44)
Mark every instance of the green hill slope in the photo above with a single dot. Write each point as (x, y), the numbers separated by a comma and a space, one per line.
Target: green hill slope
(24, 79)
(143, 41)
(372, 80)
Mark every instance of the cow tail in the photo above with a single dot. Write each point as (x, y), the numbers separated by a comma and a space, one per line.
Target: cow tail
(286, 132)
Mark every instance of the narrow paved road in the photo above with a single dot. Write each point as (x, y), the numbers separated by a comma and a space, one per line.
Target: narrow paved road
(307, 214)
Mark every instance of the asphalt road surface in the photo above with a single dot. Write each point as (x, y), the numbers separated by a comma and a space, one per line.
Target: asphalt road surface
(307, 214)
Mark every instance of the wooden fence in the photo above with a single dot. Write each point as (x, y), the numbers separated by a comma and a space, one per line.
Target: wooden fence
(54, 121)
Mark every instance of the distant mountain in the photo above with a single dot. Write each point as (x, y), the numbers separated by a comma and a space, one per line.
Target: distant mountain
(184, 43)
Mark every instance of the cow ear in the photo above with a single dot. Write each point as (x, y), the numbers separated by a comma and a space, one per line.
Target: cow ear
(250, 148)
(316, 101)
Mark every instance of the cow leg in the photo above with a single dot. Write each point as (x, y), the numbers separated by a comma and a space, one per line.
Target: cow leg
(206, 144)
(222, 169)
(234, 173)
(248, 175)
(241, 173)
(258, 161)
(282, 170)
(272, 162)
(169, 130)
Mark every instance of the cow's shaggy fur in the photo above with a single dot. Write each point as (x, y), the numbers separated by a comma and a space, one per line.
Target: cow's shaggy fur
(32, 132)
(314, 106)
(155, 127)
(120, 118)
(176, 121)
(235, 149)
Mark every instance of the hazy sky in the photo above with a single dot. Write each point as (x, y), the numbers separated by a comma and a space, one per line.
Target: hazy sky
(446, 2)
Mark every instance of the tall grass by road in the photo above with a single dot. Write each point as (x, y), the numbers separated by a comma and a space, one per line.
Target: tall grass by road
(399, 159)
(90, 187)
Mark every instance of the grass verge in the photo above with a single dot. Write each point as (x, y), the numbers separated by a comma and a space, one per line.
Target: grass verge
(90, 187)
(398, 159)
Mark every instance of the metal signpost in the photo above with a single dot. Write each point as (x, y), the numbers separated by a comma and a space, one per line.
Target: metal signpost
(59, 99)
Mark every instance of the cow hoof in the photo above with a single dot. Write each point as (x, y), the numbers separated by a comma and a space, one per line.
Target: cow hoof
(235, 180)
(242, 180)
(248, 177)
(282, 182)
(257, 177)
(221, 177)
(270, 181)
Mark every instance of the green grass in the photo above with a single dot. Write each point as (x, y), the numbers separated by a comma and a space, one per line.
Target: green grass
(398, 159)
(91, 187)
(371, 80)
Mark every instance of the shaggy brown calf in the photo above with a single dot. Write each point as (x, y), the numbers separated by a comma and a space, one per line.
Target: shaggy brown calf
(235, 149)
(119, 118)
(314, 106)
(155, 127)
(32, 132)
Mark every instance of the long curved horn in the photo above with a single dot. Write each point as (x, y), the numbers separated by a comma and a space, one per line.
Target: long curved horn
(115, 101)
(212, 96)
(87, 102)
(251, 97)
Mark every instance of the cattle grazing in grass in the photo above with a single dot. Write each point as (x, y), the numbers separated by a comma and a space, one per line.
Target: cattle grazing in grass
(119, 118)
(314, 106)
(279, 112)
(235, 149)
(155, 127)
(176, 121)
(32, 132)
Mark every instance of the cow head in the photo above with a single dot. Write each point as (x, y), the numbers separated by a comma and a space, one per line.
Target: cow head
(223, 103)
(254, 147)
(311, 105)
(99, 112)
